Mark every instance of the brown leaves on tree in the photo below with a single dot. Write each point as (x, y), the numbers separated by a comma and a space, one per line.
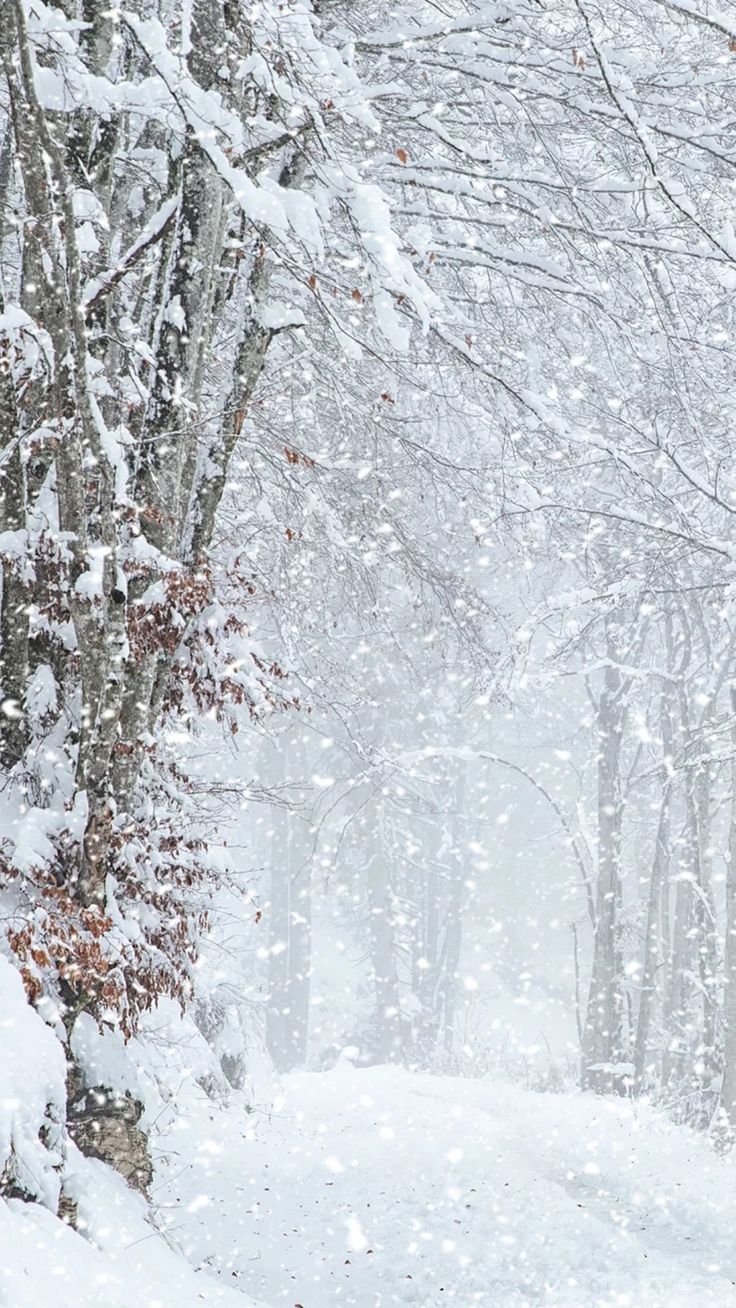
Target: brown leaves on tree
(161, 624)
(67, 942)
(296, 457)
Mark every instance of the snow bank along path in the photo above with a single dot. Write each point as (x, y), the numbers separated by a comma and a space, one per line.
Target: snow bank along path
(370, 1188)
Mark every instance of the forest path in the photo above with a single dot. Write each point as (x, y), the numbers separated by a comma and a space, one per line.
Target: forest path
(376, 1187)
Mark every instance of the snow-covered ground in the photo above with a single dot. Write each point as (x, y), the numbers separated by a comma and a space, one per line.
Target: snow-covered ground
(377, 1187)
(358, 1187)
(44, 1264)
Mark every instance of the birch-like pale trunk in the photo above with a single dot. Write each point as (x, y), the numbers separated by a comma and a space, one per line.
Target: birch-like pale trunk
(602, 1050)
(681, 1037)
(426, 957)
(290, 924)
(728, 1087)
(654, 943)
(449, 980)
(300, 954)
(389, 1025)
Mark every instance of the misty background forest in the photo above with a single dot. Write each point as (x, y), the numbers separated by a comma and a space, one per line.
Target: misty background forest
(367, 653)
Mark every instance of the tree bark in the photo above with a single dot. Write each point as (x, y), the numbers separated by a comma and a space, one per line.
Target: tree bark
(728, 1088)
(603, 1052)
(290, 958)
(389, 1025)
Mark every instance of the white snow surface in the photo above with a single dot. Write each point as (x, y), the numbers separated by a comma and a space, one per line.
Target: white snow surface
(124, 1263)
(377, 1187)
(32, 1074)
(367, 1188)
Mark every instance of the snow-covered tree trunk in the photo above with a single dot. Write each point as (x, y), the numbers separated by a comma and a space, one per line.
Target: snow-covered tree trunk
(449, 981)
(728, 1088)
(289, 961)
(15, 589)
(682, 1029)
(389, 1030)
(300, 959)
(277, 1012)
(290, 916)
(603, 1053)
(426, 960)
(655, 944)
